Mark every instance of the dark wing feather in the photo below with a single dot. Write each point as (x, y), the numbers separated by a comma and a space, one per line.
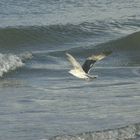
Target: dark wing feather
(88, 65)
(92, 59)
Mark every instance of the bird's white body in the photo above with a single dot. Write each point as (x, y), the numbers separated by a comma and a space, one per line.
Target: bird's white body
(79, 74)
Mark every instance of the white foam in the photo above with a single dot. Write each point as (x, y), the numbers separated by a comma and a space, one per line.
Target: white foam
(25, 56)
(10, 62)
(124, 133)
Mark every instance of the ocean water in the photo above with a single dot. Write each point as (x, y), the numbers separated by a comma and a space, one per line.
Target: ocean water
(39, 99)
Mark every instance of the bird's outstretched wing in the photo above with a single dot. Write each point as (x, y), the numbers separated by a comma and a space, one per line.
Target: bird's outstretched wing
(92, 59)
(74, 63)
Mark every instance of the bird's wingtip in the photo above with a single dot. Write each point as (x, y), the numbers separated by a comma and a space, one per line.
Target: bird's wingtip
(67, 54)
(99, 56)
(107, 52)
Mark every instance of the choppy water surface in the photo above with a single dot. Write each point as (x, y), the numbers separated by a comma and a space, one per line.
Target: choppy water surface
(39, 99)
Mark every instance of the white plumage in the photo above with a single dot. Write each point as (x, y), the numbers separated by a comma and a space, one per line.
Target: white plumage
(82, 72)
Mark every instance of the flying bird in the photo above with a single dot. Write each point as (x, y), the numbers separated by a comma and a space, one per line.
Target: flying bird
(82, 72)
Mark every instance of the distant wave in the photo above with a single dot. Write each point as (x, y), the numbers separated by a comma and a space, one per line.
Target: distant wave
(49, 34)
(123, 133)
(9, 62)
(22, 35)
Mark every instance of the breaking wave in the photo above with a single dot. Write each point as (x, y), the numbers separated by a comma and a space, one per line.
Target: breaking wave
(125, 133)
(9, 62)
(55, 40)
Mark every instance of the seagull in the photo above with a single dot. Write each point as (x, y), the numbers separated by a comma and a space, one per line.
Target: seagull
(82, 72)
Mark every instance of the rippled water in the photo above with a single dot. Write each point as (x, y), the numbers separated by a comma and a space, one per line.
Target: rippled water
(39, 99)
